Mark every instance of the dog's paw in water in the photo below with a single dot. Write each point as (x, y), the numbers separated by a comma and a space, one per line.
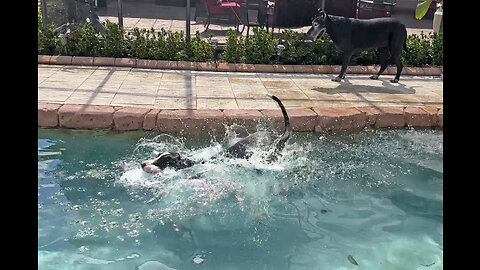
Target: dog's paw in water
(394, 81)
(336, 79)
(374, 77)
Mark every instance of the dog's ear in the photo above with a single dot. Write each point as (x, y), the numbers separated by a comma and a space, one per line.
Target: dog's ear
(326, 16)
(323, 14)
(316, 14)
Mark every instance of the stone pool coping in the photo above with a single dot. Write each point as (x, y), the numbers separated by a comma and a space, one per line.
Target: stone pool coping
(71, 116)
(229, 67)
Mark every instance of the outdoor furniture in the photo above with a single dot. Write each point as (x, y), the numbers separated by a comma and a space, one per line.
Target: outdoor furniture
(272, 14)
(368, 9)
(222, 9)
(265, 13)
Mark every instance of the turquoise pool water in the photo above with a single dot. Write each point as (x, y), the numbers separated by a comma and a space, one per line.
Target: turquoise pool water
(371, 198)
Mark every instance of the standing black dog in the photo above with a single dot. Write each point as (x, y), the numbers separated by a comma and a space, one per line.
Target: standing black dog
(352, 36)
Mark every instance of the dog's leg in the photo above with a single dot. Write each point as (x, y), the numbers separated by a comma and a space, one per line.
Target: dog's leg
(398, 61)
(384, 55)
(345, 62)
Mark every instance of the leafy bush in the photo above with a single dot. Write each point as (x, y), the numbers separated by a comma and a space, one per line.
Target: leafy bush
(83, 41)
(367, 58)
(419, 48)
(46, 37)
(323, 52)
(260, 47)
(115, 43)
(199, 50)
(424, 50)
(437, 49)
(144, 43)
(296, 49)
(39, 19)
(234, 51)
(163, 45)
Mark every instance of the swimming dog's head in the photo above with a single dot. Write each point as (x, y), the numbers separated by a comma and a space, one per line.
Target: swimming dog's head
(166, 160)
(319, 25)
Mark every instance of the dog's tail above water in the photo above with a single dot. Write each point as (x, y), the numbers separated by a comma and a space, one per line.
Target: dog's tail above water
(288, 131)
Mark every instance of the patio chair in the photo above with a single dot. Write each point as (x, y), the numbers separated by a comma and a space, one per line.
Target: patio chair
(265, 15)
(271, 14)
(222, 9)
(368, 9)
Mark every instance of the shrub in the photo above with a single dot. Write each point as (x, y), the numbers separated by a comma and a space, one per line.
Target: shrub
(419, 48)
(199, 50)
(234, 49)
(163, 45)
(83, 41)
(323, 52)
(175, 45)
(46, 37)
(160, 45)
(143, 44)
(437, 49)
(296, 49)
(115, 43)
(367, 58)
(39, 19)
(260, 47)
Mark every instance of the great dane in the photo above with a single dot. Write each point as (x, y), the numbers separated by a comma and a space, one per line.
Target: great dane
(238, 149)
(352, 36)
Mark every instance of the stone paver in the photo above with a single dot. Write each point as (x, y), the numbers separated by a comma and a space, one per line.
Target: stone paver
(178, 89)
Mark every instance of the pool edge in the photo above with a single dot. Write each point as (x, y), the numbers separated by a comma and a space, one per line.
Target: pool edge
(74, 116)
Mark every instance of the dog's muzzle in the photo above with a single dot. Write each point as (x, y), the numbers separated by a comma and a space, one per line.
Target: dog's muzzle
(320, 34)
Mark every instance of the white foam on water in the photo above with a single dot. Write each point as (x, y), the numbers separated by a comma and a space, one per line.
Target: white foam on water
(138, 178)
(215, 179)
(154, 265)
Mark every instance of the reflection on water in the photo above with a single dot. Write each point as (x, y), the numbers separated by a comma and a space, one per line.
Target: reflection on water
(376, 196)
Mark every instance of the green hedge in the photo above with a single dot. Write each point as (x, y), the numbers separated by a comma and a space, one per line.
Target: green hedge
(424, 50)
(259, 48)
(116, 42)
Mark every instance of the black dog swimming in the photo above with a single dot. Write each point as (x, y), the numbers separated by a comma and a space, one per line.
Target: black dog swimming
(352, 36)
(238, 150)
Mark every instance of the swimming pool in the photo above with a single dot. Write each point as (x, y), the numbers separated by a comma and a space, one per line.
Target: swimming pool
(371, 198)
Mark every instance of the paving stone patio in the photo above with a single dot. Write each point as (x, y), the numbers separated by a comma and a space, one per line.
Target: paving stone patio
(178, 89)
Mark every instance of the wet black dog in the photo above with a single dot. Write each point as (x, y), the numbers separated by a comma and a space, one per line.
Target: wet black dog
(165, 160)
(352, 36)
(238, 149)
